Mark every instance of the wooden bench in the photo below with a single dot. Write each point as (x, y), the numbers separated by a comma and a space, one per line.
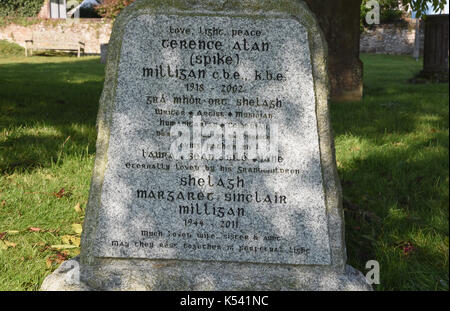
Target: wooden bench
(48, 41)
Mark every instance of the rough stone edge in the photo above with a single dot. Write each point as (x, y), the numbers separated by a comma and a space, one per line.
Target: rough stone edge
(59, 279)
(174, 274)
(332, 185)
(173, 277)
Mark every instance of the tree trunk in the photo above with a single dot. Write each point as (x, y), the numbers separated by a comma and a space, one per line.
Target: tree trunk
(340, 20)
(435, 61)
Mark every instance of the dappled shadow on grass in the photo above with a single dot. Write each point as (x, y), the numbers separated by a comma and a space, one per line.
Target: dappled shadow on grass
(47, 110)
(53, 53)
(392, 153)
(394, 197)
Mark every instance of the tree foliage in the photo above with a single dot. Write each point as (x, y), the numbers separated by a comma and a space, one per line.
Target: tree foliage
(20, 8)
(390, 11)
(389, 8)
(112, 8)
(422, 6)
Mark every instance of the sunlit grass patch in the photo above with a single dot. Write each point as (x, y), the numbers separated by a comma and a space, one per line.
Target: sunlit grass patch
(392, 154)
(48, 107)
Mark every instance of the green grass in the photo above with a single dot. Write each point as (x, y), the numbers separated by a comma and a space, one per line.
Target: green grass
(392, 152)
(48, 107)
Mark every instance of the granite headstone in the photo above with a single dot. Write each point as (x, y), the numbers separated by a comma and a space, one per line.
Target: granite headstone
(103, 52)
(215, 165)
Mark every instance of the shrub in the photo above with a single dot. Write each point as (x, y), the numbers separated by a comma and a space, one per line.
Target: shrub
(89, 12)
(112, 8)
(20, 8)
(10, 49)
(390, 11)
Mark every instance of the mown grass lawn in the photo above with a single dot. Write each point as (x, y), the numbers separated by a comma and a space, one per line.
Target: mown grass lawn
(48, 108)
(392, 152)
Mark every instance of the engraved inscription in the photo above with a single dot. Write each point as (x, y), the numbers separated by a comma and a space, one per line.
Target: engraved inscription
(214, 151)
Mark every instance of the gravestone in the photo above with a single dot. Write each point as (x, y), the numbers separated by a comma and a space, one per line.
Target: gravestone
(103, 53)
(215, 166)
(436, 50)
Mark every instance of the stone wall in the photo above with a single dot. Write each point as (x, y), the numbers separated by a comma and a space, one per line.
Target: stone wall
(93, 32)
(398, 39)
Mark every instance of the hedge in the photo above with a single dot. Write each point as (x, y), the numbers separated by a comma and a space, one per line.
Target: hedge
(21, 8)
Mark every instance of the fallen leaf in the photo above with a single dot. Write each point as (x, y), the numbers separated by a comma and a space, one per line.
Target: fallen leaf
(63, 246)
(71, 239)
(77, 228)
(67, 139)
(60, 193)
(49, 262)
(408, 249)
(3, 202)
(10, 244)
(2, 235)
(77, 208)
(66, 239)
(56, 258)
(12, 232)
(32, 229)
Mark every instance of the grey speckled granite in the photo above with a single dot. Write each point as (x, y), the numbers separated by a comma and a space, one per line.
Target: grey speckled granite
(299, 220)
(308, 252)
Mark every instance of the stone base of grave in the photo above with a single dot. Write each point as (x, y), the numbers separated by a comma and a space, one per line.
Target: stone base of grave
(204, 276)
(430, 77)
(65, 278)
